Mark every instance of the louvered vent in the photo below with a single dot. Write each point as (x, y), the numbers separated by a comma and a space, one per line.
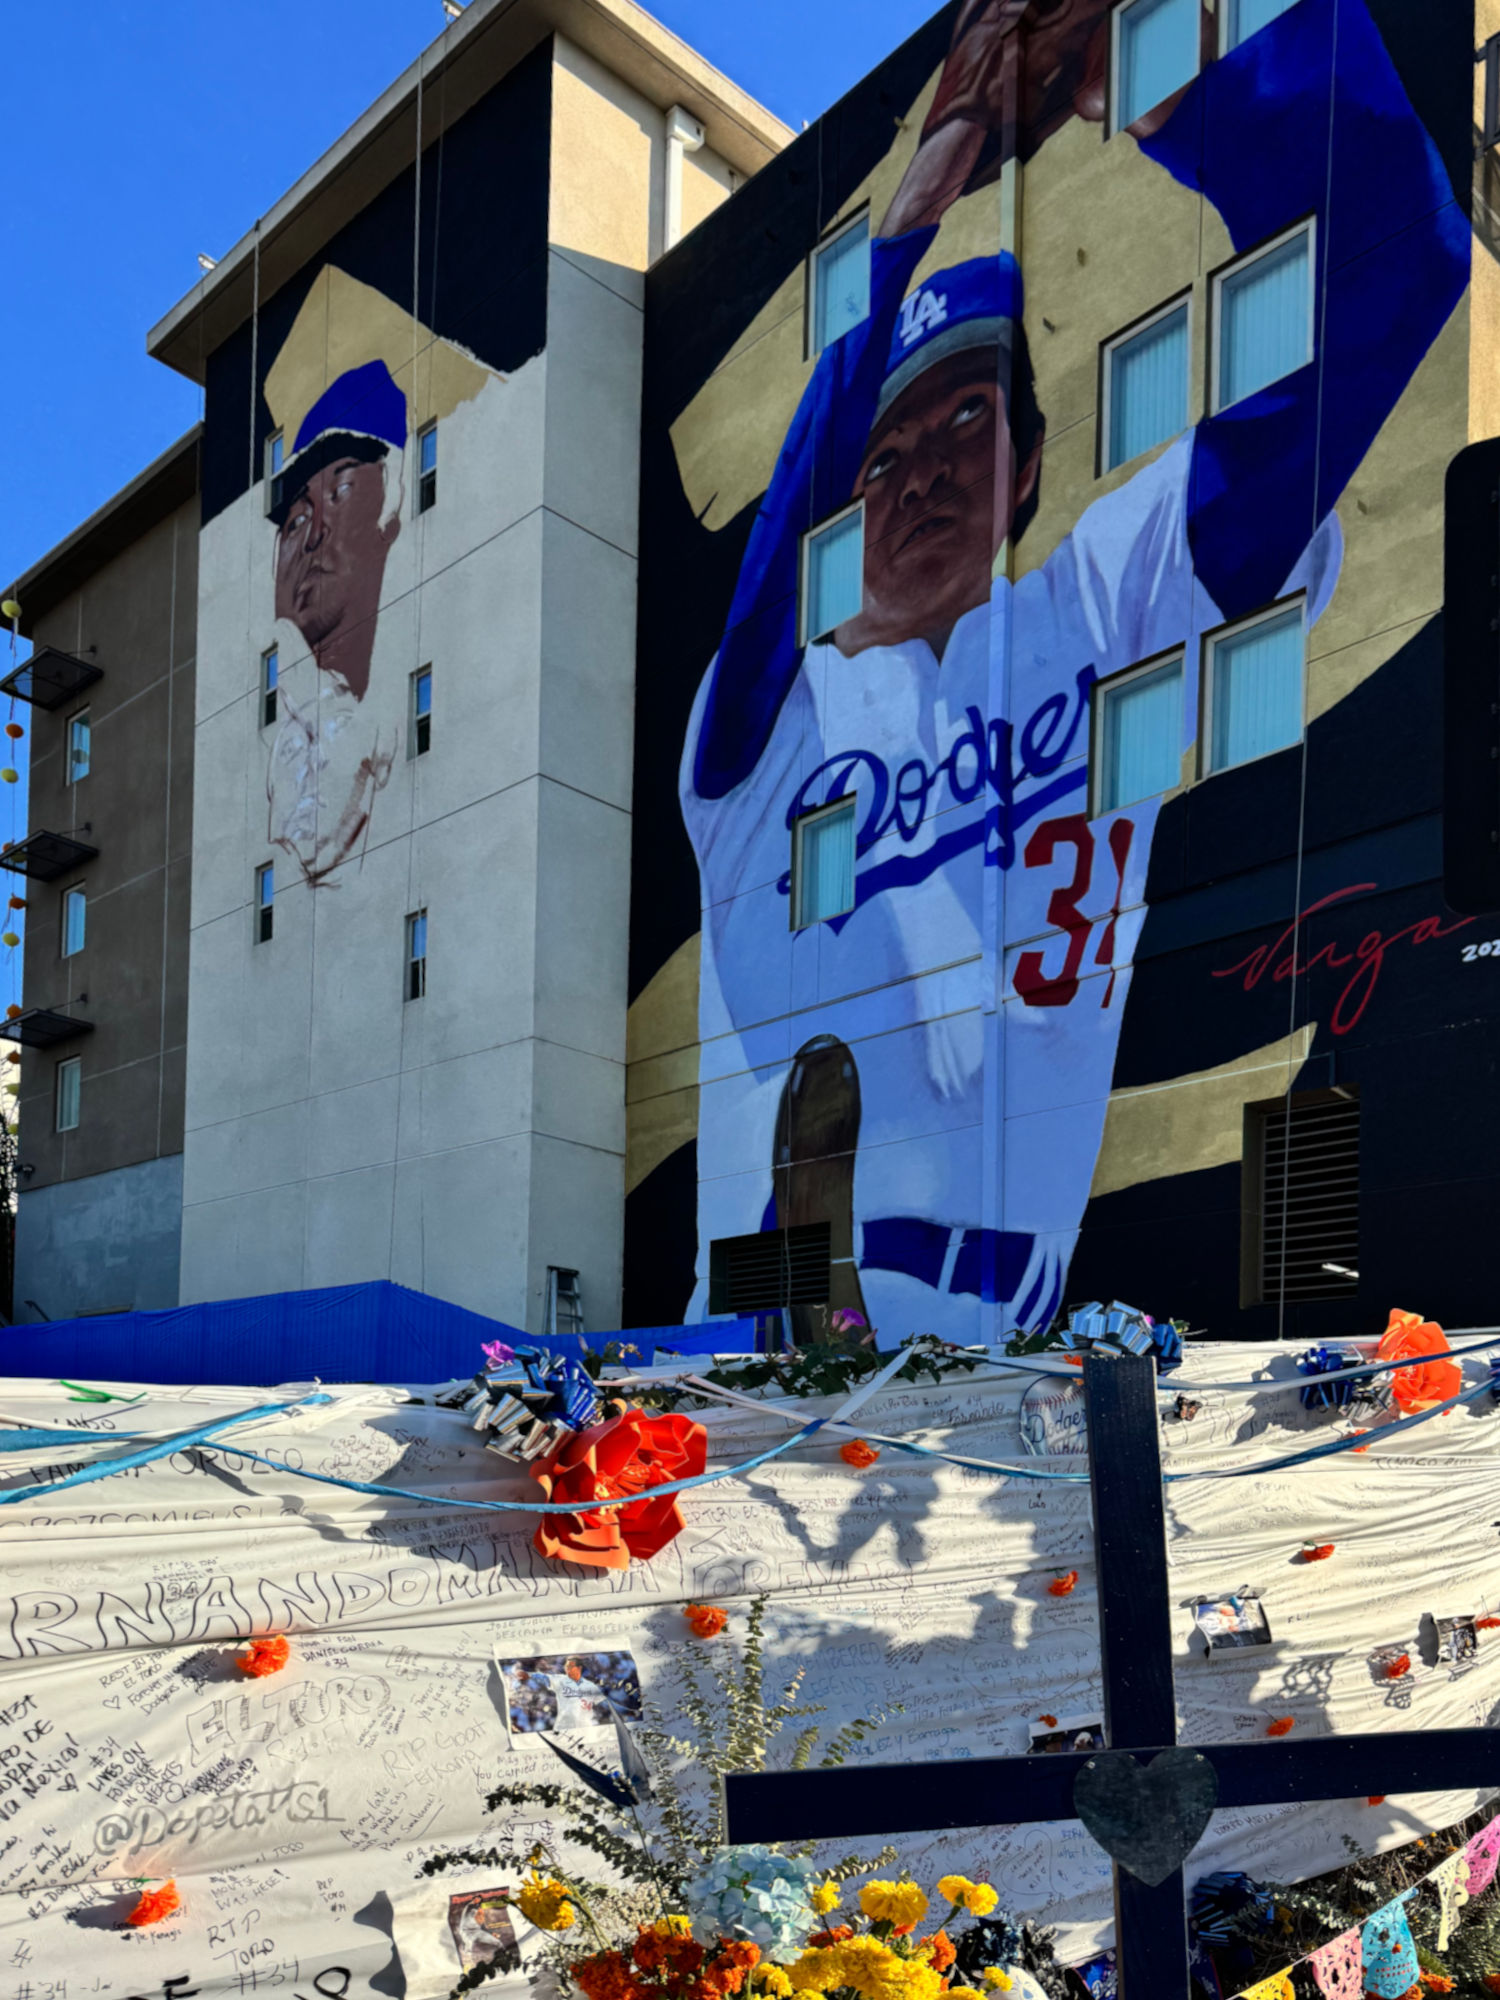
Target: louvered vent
(1309, 1199)
(777, 1267)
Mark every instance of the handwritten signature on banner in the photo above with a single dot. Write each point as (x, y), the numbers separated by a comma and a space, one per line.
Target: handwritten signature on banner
(1282, 958)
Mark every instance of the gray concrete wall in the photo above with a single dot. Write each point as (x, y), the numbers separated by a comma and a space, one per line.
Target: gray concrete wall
(109, 1241)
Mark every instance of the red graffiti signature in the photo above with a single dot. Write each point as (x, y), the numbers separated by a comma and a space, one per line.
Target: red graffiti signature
(1281, 958)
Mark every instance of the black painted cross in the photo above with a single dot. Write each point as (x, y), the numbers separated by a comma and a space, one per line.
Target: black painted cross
(1135, 1644)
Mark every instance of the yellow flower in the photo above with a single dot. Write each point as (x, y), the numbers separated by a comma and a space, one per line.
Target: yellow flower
(544, 1902)
(768, 1978)
(954, 1887)
(996, 1977)
(825, 1897)
(666, 1927)
(816, 1971)
(900, 1903)
(922, 1982)
(980, 1900)
(963, 1993)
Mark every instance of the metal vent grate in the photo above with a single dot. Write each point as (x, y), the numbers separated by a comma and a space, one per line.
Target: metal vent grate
(1309, 1199)
(777, 1267)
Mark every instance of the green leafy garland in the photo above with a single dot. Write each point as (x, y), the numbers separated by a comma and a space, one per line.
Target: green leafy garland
(826, 1370)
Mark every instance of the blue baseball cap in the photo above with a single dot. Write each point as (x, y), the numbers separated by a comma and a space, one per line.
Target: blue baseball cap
(976, 304)
(361, 415)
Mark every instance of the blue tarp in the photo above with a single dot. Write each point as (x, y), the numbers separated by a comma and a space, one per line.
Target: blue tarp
(378, 1332)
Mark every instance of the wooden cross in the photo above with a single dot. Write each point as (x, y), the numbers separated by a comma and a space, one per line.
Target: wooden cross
(1135, 1644)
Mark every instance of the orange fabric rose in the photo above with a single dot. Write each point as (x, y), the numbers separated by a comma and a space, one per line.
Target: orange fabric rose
(1282, 1726)
(1050, 1720)
(1422, 1388)
(153, 1905)
(1486, 1624)
(1316, 1552)
(629, 1453)
(705, 1619)
(1375, 1799)
(264, 1656)
(1399, 1666)
(857, 1453)
(1061, 1586)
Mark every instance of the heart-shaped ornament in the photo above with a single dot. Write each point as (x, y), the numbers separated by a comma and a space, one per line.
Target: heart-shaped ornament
(1148, 1817)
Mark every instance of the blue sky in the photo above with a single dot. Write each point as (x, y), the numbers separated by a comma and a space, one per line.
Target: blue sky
(138, 132)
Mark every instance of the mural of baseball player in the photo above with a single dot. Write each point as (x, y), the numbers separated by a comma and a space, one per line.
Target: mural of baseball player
(928, 1072)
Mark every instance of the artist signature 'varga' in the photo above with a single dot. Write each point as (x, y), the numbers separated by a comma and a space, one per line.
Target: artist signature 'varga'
(148, 1826)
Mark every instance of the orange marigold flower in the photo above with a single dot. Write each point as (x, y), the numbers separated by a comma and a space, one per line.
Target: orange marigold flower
(153, 1905)
(1283, 1725)
(606, 1976)
(1492, 1981)
(940, 1952)
(1050, 1720)
(1073, 1360)
(705, 1619)
(1060, 1586)
(1399, 1666)
(823, 1940)
(857, 1453)
(264, 1656)
(1436, 1983)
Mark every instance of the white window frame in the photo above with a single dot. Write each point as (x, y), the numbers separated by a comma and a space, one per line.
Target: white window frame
(844, 802)
(1106, 384)
(1308, 227)
(425, 506)
(414, 718)
(1114, 124)
(65, 901)
(84, 716)
(1211, 643)
(271, 472)
(266, 870)
(804, 566)
(73, 1065)
(1175, 655)
(413, 978)
(810, 347)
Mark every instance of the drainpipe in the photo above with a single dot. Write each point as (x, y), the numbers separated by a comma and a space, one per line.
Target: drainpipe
(684, 135)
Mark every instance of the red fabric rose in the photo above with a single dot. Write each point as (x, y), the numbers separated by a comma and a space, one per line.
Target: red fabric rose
(264, 1656)
(1416, 1389)
(627, 1454)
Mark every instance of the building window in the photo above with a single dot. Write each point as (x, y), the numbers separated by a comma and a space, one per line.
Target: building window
(833, 572)
(1301, 1203)
(776, 1268)
(80, 746)
(69, 1092)
(426, 468)
(839, 285)
(823, 864)
(1263, 312)
(419, 729)
(1137, 735)
(1244, 18)
(1253, 686)
(270, 670)
(416, 954)
(265, 902)
(74, 919)
(1146, 386)
(1156, 47)
(275, 480)
(564, 1301)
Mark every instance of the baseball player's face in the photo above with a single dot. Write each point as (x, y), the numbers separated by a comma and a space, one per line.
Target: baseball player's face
(928, 484)
(330, 554)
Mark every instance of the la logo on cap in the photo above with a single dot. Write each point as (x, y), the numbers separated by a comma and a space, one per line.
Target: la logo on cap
(920, 313)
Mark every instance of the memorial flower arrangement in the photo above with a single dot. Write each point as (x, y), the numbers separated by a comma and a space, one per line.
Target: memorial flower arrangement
(674, 1913)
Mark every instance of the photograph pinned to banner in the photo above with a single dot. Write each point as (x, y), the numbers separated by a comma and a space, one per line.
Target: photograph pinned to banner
(461, 1924)
(1066, 1732)
(482, 1932)
(1234, 1623)
(558, 1693)
(1458, 1643)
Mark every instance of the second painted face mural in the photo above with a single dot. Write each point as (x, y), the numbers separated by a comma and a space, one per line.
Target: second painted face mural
(926, 1065)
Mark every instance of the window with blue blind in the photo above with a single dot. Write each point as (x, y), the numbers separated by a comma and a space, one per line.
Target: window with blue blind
(833, 574)
(1138, 736)
(1255, 689)
(1264, 315)
(840, 291)
(823, 864)
(1146, 387)
(1244, 18)
(1156, 52)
